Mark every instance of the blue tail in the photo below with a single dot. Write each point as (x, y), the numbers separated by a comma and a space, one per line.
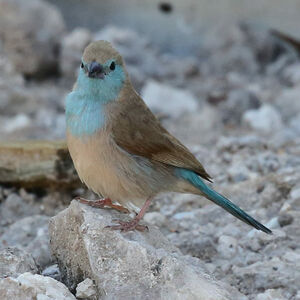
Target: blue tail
(220, 200)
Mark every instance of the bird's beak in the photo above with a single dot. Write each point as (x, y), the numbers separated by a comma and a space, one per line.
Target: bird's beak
(96, 70)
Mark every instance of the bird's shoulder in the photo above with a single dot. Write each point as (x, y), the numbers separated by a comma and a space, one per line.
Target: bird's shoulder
(135, 129)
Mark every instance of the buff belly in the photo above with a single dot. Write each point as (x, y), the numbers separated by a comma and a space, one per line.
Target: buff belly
(111, 172)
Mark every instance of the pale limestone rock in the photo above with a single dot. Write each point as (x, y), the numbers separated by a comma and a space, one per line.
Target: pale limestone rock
(86, 290)
(168, 100)
(28, 287)
(266, 119)
(120, 263)
(14, 261)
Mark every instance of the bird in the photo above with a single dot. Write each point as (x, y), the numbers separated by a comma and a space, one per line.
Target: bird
(119, 148)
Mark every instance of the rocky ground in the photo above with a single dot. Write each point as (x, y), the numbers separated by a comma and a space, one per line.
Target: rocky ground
(235, 104)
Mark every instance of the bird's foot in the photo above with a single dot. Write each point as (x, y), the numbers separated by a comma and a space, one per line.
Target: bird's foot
(102, 203)
(128, 226)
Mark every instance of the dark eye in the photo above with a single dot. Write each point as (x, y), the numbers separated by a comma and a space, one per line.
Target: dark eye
(112, 66)
(81, 66)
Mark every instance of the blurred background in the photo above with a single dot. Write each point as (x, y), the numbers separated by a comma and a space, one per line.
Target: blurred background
(222, 76)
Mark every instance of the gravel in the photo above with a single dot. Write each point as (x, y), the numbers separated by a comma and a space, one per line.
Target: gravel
(242, 122)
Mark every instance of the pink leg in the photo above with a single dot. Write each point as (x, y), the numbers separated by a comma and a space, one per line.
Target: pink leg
(102, 203)
(133, 224)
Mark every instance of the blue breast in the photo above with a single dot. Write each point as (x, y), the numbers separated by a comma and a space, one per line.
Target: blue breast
(84, 117)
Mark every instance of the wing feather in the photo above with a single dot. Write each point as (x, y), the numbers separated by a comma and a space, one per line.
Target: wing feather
(136, 130)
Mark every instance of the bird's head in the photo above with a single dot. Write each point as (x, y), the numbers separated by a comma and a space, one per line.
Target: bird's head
(102, 71)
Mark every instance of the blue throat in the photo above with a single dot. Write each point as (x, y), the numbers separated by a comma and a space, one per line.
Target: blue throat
(85, 105)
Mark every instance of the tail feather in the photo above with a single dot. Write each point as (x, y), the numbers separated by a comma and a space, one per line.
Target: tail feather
(220, 200)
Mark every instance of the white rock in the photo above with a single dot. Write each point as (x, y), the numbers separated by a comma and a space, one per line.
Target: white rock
(30, 234)
(52, 271)
(168, 100)
(184, 215)
(258, 273)
(273, 223)
(238, 172)
(227, 246)
(285, 207)
(18, 122)
(291, 256)
(295, 193)
(14, 261)
(86, 289)
(292, 73)
(155, 218)
(28, 286)
(187, 128)
(276, 68)
(265, 119)
(287, 102)
(295, 125)
(122, 263)
(236, 57)
(270, 294)
(238, 101)
(14, 208)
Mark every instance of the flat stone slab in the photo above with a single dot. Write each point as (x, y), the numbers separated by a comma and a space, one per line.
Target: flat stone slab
(37, 164)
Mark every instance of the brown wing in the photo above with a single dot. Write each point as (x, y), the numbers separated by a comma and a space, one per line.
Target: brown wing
(136, 130)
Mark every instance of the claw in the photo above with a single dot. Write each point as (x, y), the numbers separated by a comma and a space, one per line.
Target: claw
(115, 221)
(128, 226)
(123, 226)
(102, 203)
